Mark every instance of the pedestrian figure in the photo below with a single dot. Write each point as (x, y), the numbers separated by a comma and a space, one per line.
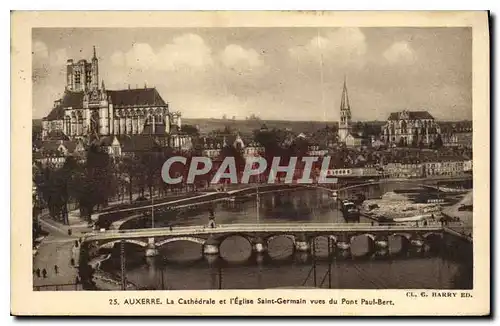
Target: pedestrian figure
(72, 261)
(170, 227)
(56, 269)
(44, 273)
(37, 272)
(77, 280)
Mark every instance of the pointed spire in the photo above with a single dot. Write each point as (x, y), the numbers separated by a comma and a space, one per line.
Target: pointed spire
(95, 56)
(344, 104)
(102, 85)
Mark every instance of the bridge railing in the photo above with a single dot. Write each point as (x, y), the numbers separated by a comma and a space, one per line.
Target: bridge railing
(237, 228)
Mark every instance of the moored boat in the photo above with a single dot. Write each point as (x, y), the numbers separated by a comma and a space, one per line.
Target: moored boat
(349, 209)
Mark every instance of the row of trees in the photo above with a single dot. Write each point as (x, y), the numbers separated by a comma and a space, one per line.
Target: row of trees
(92, 184)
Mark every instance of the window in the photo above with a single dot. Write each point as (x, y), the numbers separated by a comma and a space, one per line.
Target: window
(77, 77)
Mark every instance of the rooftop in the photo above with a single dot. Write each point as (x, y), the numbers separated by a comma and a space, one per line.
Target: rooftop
(119, 98)
(412, 115)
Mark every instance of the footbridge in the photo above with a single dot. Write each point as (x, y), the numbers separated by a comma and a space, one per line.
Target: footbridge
(259, 235)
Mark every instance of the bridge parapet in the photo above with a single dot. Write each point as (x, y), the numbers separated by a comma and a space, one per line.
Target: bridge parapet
(260, 235)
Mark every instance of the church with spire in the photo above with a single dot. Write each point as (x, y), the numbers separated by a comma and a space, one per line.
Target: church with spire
(345, 115)
(87, 110)
(345, 133)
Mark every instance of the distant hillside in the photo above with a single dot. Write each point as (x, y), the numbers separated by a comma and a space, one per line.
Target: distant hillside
(247, 126)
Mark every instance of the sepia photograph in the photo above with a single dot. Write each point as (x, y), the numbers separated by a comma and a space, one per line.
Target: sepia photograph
(289, 157)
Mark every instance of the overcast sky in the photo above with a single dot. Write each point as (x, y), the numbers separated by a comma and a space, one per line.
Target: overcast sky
(275, 73)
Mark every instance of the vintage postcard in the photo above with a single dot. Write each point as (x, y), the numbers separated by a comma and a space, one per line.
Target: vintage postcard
(250, 163)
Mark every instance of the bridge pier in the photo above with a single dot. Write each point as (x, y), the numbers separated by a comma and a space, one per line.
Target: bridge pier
(211, 246)
(301, 243)
(151, 250)
(381, 242)
(259, 245)
(343, 242)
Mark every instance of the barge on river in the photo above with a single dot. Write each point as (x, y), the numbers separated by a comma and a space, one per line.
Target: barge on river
(349, 210)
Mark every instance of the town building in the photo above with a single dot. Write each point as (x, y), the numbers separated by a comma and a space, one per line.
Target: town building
(88, 110)
(404, 169)
(457, 134)
(410, 128)
(353, 140)
(315, 149)
(468, 166)
(444, 167)
(53, 153)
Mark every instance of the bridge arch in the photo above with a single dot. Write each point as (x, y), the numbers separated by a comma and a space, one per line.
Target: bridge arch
(247, 238)
(406, 236)
(176, 239)
(111, 244)
(274, 236)
(432, 234)
(368, 235)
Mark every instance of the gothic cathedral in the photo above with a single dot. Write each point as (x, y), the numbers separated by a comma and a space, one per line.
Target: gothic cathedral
(88, 110)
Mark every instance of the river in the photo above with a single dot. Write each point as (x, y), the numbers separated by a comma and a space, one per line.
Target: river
(181, 265)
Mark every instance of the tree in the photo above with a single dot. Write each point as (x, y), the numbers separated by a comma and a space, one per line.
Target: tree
(190, 130)
(237, 154)
(98, 183)
(56, 189)
(438, 142)
(253, 117)
(130, 169)
(299, 148)
(151, 162)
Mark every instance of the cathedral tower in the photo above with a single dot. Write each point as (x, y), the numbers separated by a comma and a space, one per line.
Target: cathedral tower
(345, 115)
(82, 75)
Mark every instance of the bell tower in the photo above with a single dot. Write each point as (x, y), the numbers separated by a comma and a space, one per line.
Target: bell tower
(345, 114)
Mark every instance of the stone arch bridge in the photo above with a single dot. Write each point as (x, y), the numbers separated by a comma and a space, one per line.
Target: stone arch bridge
(259, 235)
